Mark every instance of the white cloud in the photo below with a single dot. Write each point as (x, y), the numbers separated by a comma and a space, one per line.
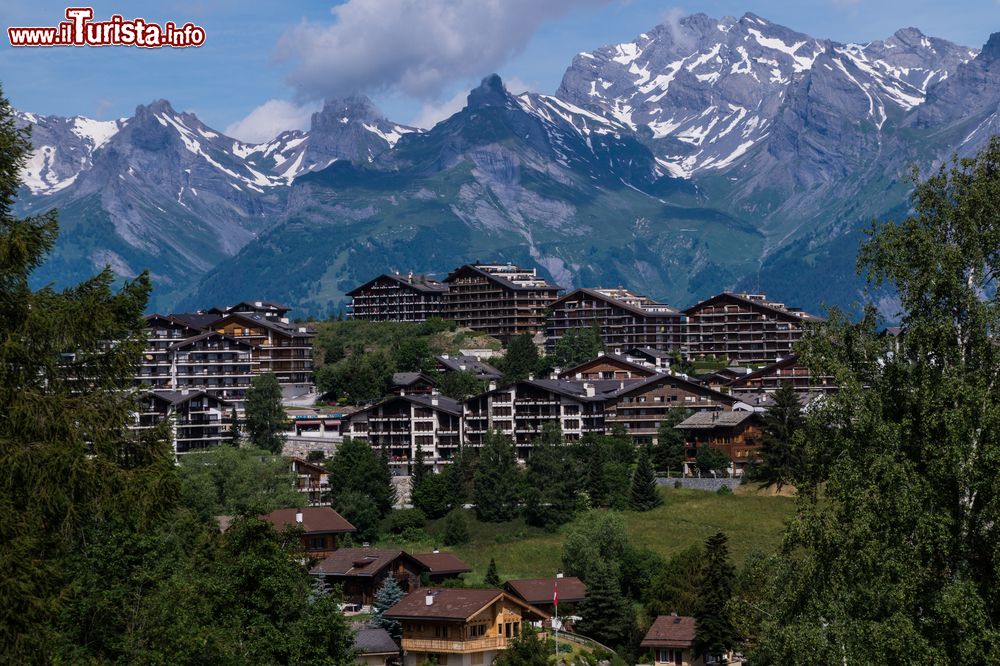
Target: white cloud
(271, 119)
(415, 47)
(431, 113)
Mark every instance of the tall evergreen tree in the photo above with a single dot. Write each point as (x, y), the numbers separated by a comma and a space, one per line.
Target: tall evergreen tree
(645, 494)
(895, 549)
(357, 468)
(550, 498)
(492, 578)
(418, 473)
(387, 596)
(521, 359)
(496, 489)
(715, 635)
(265, 417)
(595, 453)
(607, 615)
(782, 450)
(234, 428)
(670, 452)
(66, 462)
(459, 474)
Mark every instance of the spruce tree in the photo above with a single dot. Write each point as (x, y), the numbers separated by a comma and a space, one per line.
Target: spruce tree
(265, 416)
(715, 635)
(418, 472)
(782, 453)
(387, 596)
(645, 494)
(550, 498)
(596, 471)
(496, 486)
(670, 452)
(234, 429)
(607, 615)
(521, 359)
(492, 578)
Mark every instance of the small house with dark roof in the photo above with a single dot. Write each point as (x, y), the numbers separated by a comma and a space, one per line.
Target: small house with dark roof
(441, 566)
(460, 626)
(360, 572)
(609, 366)
(375, 646)
(412, 383)
(541, 592)
(735, 433)
(465, 363)
(671, 641)
(321, 526)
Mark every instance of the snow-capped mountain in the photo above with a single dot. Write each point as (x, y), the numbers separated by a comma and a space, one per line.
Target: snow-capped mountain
(708, 91)
(704, 154)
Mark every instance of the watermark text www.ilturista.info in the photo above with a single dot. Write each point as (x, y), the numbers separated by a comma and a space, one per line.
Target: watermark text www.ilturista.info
(80, 29)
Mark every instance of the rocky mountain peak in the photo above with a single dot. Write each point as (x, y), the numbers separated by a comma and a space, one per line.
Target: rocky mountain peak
(490, 92)
(991, 51)
(356, 108)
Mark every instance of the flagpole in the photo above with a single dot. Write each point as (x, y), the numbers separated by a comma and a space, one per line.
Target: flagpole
(555, 603)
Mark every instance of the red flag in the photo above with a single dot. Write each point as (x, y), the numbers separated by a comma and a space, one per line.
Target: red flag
(555, 593)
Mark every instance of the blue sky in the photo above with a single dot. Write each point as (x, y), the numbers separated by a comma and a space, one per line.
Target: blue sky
(415, 58)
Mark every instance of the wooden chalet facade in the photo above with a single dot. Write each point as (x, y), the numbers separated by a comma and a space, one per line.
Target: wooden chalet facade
(311, 479)
(786, 371)
(744, 328)
(402, 423)
(280, 347)
(460, 626)
(501, 300)
(735, 433)
(321, 527)
(395, 297)
(360, 572)
(624, 319)
(608, 366)
(641, 407)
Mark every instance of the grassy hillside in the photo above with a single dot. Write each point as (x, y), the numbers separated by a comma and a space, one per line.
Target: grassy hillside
(753, 522)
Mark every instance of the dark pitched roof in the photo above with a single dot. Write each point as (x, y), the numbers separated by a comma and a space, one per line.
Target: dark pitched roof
(360, 562)
(315, 520)
(457, 363)
(208, 334)
(788, 361)
(787, 312)
(442, 563)
(661, 311)
(374, 641)
(410, 378)
(421, 283)
(257, 305)
(311, 466)
(690, 383)
(649, 351)
(275, 325)
(540, 282)
(199, 320)
(538, 591)
(670, 631)
(453, 604)
(614, 358)
(709, 420)
(180, 397)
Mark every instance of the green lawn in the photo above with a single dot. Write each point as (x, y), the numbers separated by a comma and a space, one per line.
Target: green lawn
(752, 522)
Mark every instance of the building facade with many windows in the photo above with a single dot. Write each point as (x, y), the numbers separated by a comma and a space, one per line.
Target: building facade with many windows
(395, 297)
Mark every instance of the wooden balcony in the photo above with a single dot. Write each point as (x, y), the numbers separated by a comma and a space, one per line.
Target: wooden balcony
(460, 646)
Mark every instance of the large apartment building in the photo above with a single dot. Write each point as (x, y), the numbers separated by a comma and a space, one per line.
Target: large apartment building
(395, 297)
(502, 300)
(745, 328)
(195, 420)
(624, 320)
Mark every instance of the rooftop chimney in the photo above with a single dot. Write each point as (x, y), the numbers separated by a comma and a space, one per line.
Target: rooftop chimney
(435, 551)
(559, 575)
(588, 389)
(298, 517)
(493, 386)
(429, 599)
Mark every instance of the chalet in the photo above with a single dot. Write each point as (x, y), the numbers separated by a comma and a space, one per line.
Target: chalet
(440, 566)
(320, 526)
(501, 300)
(375, 647)
(641, 407)
(671, 640)
(541, 592)
(360, 572)
(784, 371)
(268, 309)
(609, 366)
(402, 423)
(463, 363)
(658, 358)
(195, 419)
(623, 318)
(460, 626)
(735, 433)
(311, 479)
(412, 383)
(395, 297)
(747, 328)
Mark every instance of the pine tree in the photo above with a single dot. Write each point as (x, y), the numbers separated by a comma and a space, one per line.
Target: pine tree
(387, 596)
(782, 454)
(418, 473)
(670, 452)
(596, 470)
(457, 474)
(492, 578)
(645, 494)
(715, 635)
(496, 480)
(521, 359)
(234, 429)
(265, 417)
(550, 499)
(607, 615)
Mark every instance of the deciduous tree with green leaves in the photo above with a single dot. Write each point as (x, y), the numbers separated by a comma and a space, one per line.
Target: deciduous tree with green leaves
(356, 467)
(265, 417)
(576, 346)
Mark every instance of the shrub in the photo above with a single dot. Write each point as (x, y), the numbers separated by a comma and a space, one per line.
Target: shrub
(724, 490)
(402, 520)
